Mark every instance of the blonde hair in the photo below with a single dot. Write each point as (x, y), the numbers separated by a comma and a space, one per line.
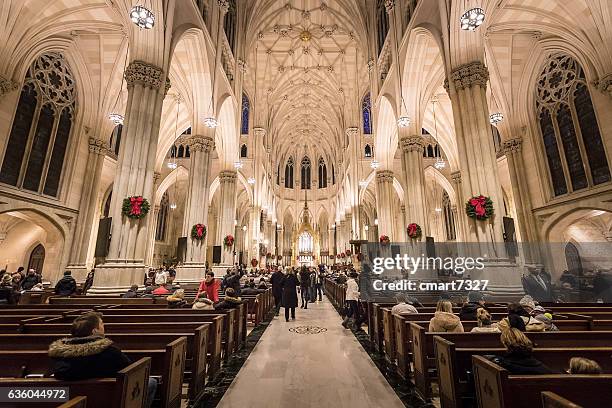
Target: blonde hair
(581, 365)
(444, 306)
(483, 317)
(515, 341)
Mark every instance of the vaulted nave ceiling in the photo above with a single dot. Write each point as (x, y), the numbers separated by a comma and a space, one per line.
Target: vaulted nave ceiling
(306, 72)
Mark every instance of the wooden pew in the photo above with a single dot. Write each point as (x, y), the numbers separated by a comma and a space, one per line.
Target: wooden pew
(127, 390)
(424, 359)
(496, 388)
(167, 363)
(552, 400)
(195, 348)
(76, 402)
(454, 365)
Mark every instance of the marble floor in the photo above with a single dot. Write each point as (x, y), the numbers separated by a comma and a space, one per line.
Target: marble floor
(291, 370)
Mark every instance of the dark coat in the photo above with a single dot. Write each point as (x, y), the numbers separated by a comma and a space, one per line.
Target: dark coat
(80, 358)
(521, 364)
(290, 284)
(233, 281)
(305, 279)
(276, 280)
(536, 290)
(250, 291)
(65, 286)
(130, 294)
(30, 281)
(468, 311)
(228, 303)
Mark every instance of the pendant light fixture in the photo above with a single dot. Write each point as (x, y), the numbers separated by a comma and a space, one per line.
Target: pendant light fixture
(172, 164)
(142, 16)
(440, 163)
(472, 18)
(116, 117)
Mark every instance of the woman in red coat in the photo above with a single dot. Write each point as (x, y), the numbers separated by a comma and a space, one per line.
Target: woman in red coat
(211, 286)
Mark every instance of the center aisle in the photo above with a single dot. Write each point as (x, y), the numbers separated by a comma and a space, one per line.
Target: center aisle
(292, 370)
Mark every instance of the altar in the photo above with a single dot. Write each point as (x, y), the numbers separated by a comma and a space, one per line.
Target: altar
(305, 240)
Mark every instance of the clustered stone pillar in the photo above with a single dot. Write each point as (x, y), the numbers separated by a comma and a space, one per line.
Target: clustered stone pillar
(255, 224)
(227, 213)
(124, 266)
(384, 198)
(414, 175)
(522, 202)
(196, 206)
(88, 208)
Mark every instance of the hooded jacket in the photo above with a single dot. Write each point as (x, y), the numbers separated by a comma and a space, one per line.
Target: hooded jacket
(81, 358)
(445, 322)
(65, 286)
(521, 364)
(228, 302)
(468, 311)
(203, 304)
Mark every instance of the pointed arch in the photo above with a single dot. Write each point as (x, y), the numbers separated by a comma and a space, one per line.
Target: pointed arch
(322, 173)
(305, 173)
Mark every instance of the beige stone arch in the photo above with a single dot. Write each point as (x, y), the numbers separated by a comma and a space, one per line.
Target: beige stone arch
(386, 133)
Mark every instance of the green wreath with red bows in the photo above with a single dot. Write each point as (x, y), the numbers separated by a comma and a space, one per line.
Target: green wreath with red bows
(479, 207)
(414, 231)
(228, 241)
(384, 239)
(198, 232)
(135, 207)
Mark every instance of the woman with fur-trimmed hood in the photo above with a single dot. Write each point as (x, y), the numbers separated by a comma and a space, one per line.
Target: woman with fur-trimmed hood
(444, 320)
(87, 353)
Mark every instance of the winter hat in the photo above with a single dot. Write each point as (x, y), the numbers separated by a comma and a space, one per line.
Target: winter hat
(475, 297)
(527, 301)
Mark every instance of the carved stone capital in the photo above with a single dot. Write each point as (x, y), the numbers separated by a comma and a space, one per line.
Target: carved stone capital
(97, 146)
(384, 176)
(467, 75)
(7, 86)
(456, 176)
(389, 5)
(227, 176)
(168, 86)
(156, 177)
(201, 143)
(371, 64)
(512, 145)
(223, 5)
(412, 144)
(242, 65)
(259, 132)
(147, 75)
(604, 84)
(352, 132)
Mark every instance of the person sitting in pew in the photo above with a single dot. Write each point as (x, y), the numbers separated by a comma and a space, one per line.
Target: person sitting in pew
(30, 280)
(251, 289)
(88, 354)
(444, 320)
(231, 301)
(519, 359)
(211, 286)
(177, 299)
(520, 319)
(262, 284)
(581, 365)
(485, 324)
(468, 310)
(66, 286)
(404, 305)
(7, 293)
(131, 293)
(161, 290)
(540, 314)
(202, 302)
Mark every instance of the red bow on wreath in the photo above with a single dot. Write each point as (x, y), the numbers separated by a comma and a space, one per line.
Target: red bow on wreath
(136, 205)
(412, 229)
(479, 205)
(200, 229)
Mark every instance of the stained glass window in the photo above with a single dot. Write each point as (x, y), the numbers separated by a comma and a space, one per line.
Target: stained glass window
(246, 108)
(366, 112)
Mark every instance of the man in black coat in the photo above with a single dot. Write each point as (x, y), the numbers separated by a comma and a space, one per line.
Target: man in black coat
(475, 302)
(31, 280)
(537, 283)
(277, 289)
(66, 286)
(88, 354)
(290, 301)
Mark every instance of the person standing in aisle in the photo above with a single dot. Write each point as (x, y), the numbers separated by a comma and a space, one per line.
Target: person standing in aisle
(290, 301)
(352, 300)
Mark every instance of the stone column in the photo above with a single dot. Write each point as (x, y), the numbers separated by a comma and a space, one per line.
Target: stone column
(414, 176)
(152, 223)
(254, 232)
(520, 191)
(124, 266)
(403, 235)
(342, 243)
(269, 240)
(196, 206)
(227, 213)
(88, 209)
(467, 89)
(460, 216)
(384, 198)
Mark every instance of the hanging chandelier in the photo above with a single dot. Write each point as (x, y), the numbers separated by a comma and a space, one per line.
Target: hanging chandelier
(374, 164)
(116, 118)
(173, 206)
(237, 165)
(251, 180)
(403, 121)
(472, 19)
(440, 163)
(172, 165)
(142, 17)
(363, 183)
(496, 117)
(211, 122)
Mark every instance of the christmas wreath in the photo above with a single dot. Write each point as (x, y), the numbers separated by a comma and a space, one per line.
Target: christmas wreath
(479, 207)
(414, 231)
(198, 232)
(348, 252)
(253, 262)
(268, 255)
(343, 255)
(228, 241)
(135, 207)
(384, 239)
